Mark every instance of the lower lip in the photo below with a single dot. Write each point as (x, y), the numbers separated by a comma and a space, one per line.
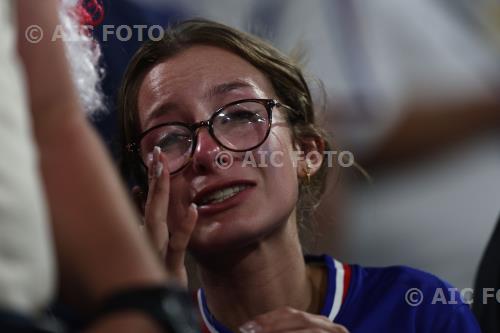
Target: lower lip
(213, 208)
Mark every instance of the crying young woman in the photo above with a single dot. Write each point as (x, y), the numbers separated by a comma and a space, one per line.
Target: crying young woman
(193, 105)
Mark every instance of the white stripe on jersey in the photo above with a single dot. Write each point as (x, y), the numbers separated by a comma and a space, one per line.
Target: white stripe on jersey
(339, 290)
(202, 311)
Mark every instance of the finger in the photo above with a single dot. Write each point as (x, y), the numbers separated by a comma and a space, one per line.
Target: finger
(289, 319)
(336, 329)
(178, 243)
(156, 209)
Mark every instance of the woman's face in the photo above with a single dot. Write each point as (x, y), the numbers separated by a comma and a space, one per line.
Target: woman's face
(189, 88)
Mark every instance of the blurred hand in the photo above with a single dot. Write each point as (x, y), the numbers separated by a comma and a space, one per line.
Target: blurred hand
(287, 319)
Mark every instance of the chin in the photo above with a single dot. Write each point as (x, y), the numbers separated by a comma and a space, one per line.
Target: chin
(224, 239)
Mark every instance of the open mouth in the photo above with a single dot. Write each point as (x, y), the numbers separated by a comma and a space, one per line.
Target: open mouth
(221, 195)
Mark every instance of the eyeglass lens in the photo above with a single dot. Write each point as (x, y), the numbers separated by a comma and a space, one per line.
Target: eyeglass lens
(236, 127)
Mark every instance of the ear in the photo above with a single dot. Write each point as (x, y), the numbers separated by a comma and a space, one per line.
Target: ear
(139, 199)
(313, 149)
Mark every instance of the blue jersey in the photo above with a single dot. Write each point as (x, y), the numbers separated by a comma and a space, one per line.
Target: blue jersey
(393, 299)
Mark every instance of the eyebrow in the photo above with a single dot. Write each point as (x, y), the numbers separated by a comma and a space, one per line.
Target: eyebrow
(217, 90)
(224, 88)
(159, 111)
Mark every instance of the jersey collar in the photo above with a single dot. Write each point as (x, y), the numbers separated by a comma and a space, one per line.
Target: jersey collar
(338, 279)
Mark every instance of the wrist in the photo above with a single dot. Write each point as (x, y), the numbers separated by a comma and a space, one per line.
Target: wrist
(170, 308)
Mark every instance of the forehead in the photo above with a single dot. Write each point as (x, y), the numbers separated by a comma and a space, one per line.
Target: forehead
(195, 76)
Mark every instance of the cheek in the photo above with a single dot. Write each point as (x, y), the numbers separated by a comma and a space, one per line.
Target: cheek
(280, 172)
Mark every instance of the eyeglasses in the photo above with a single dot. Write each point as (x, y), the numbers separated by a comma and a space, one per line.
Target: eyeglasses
(238, 126)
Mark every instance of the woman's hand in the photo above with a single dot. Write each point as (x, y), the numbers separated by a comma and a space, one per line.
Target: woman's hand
(291, 320)
(171, 244)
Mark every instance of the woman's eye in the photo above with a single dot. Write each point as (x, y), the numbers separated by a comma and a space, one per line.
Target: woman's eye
(172, 140)
(242, 116)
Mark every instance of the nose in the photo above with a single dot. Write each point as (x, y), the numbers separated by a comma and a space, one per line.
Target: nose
(205, 152)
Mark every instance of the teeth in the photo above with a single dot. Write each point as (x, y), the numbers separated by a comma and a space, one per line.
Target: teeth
(223, 194)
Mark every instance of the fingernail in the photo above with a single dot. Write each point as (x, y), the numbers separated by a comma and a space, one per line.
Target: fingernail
(156, 152)
(158, 169)
(156, 164)
(250, 327)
